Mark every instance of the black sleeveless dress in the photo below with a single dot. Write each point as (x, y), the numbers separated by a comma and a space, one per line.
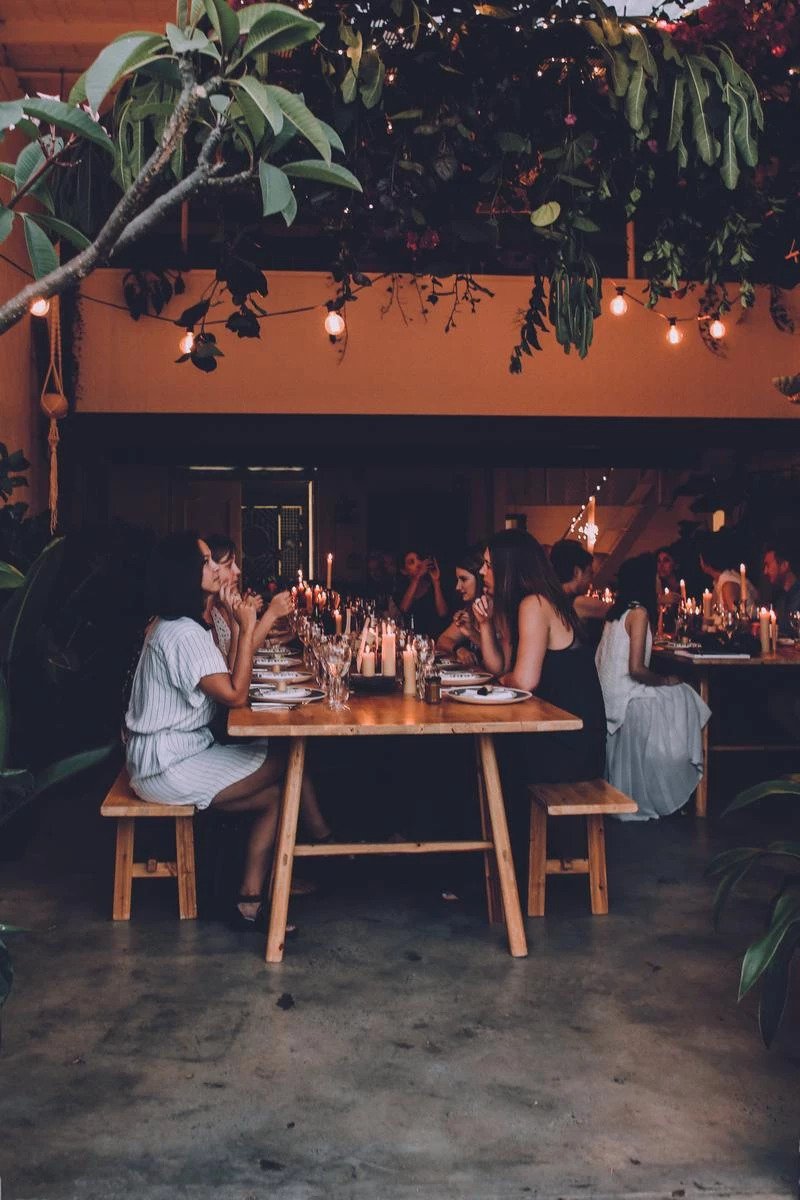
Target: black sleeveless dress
(569, 681)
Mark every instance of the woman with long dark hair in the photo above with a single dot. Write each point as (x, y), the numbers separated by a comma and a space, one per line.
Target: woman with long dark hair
(181, 677)
(531, 638)
(654, 747)
(461, 636)
(218, 611)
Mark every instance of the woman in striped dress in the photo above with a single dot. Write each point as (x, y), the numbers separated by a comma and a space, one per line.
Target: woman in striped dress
(180, 679)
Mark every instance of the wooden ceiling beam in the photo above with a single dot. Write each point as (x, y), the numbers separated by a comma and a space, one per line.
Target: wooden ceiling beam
(64, 33)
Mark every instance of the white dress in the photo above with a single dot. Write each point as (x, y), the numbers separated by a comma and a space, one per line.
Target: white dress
(171, 753)
(654, 749)
(735, 578)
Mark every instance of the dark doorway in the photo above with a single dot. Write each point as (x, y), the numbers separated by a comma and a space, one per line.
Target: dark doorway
(426, 520)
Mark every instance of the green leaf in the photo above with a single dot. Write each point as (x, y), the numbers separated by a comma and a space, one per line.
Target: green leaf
(11, 113)
(333, 173)
(371, 77)
(579, 221)
(66, 768)
(276, 191)
(609, 22)
(112, 63)
(773, 787)
(546, 214)
(620, 70)
(676, 112)
(6, 225)
(186, 42)
(40, 249)
(303, 120)
(10, 577)
(594, 30)
(729, 168)
(705, 142)
(74, 120)
(22, 616)
(53, 225)
(634, 99)
(640, 50)
(280, 28)
(266, 103)
(512, 143)
(785, 925)
(742, 125)
(332, 136)
(31, 158)
(775, 983)
(225, 22)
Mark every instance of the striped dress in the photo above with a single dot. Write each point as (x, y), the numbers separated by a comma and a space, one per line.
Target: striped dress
(171, 753)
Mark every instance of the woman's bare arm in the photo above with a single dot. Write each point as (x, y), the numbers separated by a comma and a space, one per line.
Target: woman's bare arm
(636, 623)
(534, 634)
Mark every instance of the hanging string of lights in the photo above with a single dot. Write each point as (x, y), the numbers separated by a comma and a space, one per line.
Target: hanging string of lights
(715, 326)
(583, 525)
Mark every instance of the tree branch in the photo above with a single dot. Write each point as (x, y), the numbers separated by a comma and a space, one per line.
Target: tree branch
(129, 205)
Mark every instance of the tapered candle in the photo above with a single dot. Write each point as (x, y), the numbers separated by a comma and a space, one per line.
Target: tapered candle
(362, 644)
(329, 575)
(337, 621)
(707, 605)
(389, 653)
(300, 578)
(309, 599)
(683, 590)
(763, 630)
(409, 673)
(742, 583)
(773, 631)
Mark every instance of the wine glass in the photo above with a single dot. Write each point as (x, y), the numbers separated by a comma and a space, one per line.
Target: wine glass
(336, 657)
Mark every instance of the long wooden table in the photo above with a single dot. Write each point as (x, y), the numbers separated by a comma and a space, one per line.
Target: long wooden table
(700, 671)
(399, 716)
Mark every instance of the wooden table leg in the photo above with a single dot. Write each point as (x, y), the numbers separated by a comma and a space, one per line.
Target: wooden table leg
(701, 794)
(284, 851)
(537, 860)
(184, 855)
(494, 901)
(598, 880)
(502, 846)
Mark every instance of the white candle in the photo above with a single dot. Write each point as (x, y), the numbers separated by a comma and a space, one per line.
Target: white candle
(368, 662)
(329, 575)
(389, 653)
(773, 631)
(322, 599)
(742, 584)
(763, 630)
(309, 599)
(707, 605)
(300, 578)
(409, 672)
(683, 590)
(337, 621)
(348, 615)
(362, 644)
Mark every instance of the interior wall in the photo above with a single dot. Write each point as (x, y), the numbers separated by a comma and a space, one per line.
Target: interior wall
(20, 425)
(413, 367)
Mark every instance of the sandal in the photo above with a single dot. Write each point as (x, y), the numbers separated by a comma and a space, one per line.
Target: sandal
(238, 922)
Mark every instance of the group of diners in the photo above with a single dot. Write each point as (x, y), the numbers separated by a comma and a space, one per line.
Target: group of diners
(522, 616)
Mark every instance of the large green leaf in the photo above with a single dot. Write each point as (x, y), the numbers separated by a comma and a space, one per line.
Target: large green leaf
(66, 768)
(264, 101)
(371, 77)
(676, 112)
(775, 989)
(276, 192)
(22, 616)
(74, 120)
(704, 140)
(620, 70)
(741, 80)
(312, 168)
(62, 229)
(729, 168)
(11, 113)
(640, 50)
(41, 250)
(743, 131)
(225, 22)
(186, 42)
(772, 787)
(784, 927)
(634, 98)
(10, 577)
(111, 64)
(303, 120)
(30, 159)
(6, 225)
(280, 28)
(546, 214)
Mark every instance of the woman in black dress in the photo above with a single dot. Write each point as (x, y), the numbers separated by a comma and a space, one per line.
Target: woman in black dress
(531, 638)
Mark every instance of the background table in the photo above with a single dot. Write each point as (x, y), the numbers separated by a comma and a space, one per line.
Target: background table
(396, 716)
(699, 670)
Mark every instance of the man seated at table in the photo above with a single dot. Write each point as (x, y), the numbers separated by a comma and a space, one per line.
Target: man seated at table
(781, 567)
(573, 565)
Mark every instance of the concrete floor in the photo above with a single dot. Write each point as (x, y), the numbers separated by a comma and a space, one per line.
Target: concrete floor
(398, 1052)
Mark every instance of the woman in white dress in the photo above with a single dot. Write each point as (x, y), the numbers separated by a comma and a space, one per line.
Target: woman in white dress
(654, 749)
(720, 559)
(181, 677)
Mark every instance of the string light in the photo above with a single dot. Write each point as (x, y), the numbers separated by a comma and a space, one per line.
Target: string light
(619, 305)
(186, 344)
(334, 324)
(584, 524)
(717, 329)
(674, 335)
(39, 307)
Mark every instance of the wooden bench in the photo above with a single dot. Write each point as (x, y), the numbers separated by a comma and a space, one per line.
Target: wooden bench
(123, 803)
(593, 798)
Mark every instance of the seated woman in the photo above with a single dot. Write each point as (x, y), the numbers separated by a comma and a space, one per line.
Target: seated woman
(573, 564)
(654, 749)
(461, 638)
(719, 559)
(218, 611)
(181, 677)
(420, 598)
(530, 637)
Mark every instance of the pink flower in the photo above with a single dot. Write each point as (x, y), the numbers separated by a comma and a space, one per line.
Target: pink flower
(570, 119)
(652, 145)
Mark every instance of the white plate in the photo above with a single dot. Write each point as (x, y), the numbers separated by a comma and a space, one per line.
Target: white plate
(464, 677)
(265, 663)
(262, 676)
(292, 695)
(495, 695)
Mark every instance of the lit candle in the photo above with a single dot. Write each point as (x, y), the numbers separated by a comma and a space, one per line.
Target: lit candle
(368, 662)
(683, 590)
(300, 578)
(362, 644)
(707, 605)
(389, 653)
(763, 630)
(322, 599)
(329, 575)
(337, 621)
(348, 616)
(773, 631)
(409, 672)
(742, 584)
(309, 599)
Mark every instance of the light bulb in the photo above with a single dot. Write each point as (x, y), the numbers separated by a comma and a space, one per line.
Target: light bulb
(619, 305)
(186, 344)
(39, 307)
(334, 324)
(674, 335)
(717, 329)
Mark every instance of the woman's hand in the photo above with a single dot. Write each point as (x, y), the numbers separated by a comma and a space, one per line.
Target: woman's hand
(466, 657)
(434, 570)
(230, 600)
(258, 600)
(280, 606)
(482, 610)
(466, 625)
(244, 614)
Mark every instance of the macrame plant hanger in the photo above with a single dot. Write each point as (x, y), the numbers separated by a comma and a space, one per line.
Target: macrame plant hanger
(54, 402)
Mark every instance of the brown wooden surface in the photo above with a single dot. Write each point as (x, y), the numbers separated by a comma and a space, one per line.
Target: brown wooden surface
(598, 881)
(517, 944)
(401, 715)
(123, 870)
(537, 861)
(184, 855)
(786, 656)
(494, 901)
(284, 851)
(122, 801)
(582, 799)
(351, 849)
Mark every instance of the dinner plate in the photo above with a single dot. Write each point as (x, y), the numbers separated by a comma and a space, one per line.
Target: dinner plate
(281, 676)
(487, 694)
(266, 663)
(464, 677)
(290, 695)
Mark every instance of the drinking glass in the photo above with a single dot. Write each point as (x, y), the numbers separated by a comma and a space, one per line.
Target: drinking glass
(425, 650)
(337, 656)
(794, 621)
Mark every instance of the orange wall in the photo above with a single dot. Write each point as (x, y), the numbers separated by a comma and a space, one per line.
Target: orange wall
(393, 368)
